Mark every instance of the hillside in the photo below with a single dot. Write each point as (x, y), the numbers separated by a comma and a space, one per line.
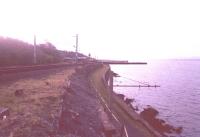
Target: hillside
(15, 52)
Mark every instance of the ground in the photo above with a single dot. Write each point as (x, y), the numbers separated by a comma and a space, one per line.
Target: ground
(63, 103)
(34, 111)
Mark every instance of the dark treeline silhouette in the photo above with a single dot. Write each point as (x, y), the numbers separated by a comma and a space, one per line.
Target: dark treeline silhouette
(15, 52)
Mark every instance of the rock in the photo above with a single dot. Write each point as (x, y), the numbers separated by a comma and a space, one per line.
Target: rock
(115, 74)
(47, 83)
(149, 114)
(128, 101)
(179, 130)
(121, 96)
(4, 112)
(135, 108)
(161, 121)
(19, 92)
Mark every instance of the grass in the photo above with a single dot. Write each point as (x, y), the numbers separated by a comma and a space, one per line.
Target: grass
(32, 113)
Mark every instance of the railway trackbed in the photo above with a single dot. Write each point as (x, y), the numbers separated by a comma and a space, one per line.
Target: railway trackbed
(6, 70)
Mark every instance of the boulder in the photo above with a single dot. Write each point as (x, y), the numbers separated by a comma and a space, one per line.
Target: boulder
(128, 101)
(19, 92)
(149, 114)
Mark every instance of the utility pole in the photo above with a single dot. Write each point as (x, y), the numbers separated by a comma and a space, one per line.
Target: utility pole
(34, 51)
(76, 48)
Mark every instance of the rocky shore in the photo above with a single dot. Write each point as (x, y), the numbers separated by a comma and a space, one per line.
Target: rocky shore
(150, 114)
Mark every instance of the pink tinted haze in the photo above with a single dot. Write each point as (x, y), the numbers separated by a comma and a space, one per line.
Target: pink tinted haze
(115, 29)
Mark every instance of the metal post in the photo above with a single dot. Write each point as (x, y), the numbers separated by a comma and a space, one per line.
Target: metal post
(34, 51)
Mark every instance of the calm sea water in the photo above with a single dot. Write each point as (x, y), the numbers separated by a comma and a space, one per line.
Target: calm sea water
(178, 98)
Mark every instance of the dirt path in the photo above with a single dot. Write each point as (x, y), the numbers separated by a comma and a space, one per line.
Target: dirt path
(81, 103)
(82, 109)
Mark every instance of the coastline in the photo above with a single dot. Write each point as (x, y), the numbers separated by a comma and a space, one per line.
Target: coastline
(149, 115)
(136, 121)
(75, 101)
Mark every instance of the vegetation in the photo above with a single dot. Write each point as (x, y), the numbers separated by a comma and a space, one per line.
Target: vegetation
(15, 52)
(34, 112)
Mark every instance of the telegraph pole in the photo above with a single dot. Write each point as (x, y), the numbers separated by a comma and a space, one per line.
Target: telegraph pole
(76, 48)
(34, 51)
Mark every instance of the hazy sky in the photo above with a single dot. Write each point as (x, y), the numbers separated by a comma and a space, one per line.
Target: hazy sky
(115, 29)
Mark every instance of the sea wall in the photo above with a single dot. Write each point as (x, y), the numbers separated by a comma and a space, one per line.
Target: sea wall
(125, 104)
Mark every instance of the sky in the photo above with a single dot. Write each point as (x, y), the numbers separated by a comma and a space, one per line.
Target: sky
(108, 29)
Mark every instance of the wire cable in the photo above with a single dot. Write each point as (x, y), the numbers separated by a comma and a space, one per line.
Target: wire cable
(144, 83)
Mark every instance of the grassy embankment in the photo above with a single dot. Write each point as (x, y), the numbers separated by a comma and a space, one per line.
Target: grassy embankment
(33, 112)
(120, 109)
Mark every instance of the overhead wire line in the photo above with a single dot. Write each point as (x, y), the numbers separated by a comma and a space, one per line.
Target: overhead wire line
(144, 83)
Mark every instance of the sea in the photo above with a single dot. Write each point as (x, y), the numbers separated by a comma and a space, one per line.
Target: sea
(178, 97)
